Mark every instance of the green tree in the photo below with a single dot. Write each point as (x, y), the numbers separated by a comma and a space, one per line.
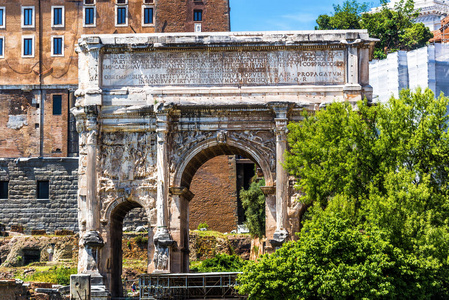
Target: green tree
(375, 174)
(253, 201)
(394, 27)
(345, 16)
(221, 263)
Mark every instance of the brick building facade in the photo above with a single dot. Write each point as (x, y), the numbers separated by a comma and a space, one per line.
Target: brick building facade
(39, 75)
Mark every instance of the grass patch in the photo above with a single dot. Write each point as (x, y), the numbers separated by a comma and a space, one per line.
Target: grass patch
(56, 275)
(210, 233)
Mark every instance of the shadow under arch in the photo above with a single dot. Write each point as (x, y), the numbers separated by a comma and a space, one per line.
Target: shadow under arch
(211, 148)
(116, 213)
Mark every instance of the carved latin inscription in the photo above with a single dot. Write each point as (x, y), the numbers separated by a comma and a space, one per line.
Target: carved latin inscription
(231, 68)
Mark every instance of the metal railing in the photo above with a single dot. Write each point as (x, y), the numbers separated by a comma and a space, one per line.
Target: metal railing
(189, 286)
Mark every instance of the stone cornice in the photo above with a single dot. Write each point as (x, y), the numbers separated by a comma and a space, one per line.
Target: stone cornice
(301, 40)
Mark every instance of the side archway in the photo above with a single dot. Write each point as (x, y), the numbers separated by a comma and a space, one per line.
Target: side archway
(114, 215)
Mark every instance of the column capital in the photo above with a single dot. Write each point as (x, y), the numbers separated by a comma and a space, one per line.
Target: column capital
(280, 108)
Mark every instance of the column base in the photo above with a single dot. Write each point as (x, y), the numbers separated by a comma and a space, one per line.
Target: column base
(98, 290)
(280, 236)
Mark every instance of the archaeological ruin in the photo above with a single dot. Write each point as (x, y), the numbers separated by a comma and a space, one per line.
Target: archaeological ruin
(152, 108)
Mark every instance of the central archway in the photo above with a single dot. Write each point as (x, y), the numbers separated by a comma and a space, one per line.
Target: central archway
(192, 161)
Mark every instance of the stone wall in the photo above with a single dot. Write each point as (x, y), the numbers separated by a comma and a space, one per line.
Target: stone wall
(59, 211)
(13, 290)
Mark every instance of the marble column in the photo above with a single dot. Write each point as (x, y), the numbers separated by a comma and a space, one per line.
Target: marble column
(281, 120)
(281, 174)
(90, 239)
(162, 238)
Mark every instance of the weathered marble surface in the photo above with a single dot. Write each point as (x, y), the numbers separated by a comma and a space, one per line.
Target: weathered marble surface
(152, 108)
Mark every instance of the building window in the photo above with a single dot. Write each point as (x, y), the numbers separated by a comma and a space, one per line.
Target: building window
(57, 105)
(4, 189)
(28, 16)
(148, 1)
(57, 47)
(121, 13)
(121, 2)
(2, 47)
(28, 46)
(89, 16)
(57, 16)
(197, 15)
(43, 189)
(2, 17)
(148, 15)
(89, 2)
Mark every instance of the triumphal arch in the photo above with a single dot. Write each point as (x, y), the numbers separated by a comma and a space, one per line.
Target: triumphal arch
(152, 108)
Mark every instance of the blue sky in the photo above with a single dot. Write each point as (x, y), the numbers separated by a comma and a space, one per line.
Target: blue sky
(261, 15)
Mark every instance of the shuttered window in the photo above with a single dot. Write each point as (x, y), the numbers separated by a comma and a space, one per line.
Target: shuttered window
(89, 16)
(121, 15)
(197, 15)
(28, 14)
(58, 45)
(2, 44)
(28, 47)
(57, 104)
(58, 16)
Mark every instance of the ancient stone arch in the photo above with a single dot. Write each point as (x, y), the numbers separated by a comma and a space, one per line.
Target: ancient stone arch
(152, 108)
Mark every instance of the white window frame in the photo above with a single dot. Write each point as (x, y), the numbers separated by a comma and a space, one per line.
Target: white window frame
(33, 18)
(84, 3)
(126, 2)
(116, 14)
(4, 16)
(2, 55)
(143, 16)
(95, 16)
(53, 16)
(23, 44)
(52, 45)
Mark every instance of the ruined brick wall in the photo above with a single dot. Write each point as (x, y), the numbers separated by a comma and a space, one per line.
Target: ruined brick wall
(59, 211)
(215, 201)
(18, 115)
(21, 121)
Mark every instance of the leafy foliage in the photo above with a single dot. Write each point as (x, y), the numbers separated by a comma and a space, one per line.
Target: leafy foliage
(141, 240)
(220, 263)
(203, 225)
(377, 179)
(345, 16)
(253, 201)
(393, 27)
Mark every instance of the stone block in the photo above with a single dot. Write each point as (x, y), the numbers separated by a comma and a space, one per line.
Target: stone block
(80, 288)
